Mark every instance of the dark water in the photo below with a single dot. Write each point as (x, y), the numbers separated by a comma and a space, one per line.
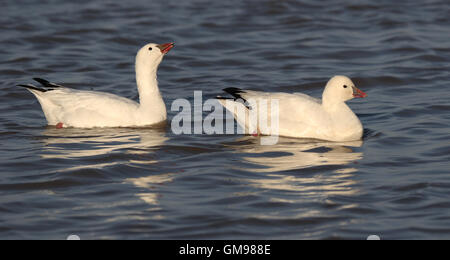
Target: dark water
(152, 184)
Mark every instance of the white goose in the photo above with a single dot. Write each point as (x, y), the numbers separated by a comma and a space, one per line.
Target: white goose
(65, 107)
(300, 115)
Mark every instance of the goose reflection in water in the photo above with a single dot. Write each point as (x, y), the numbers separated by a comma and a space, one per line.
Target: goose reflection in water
(73, 143)
(101, 148)
(311, 167)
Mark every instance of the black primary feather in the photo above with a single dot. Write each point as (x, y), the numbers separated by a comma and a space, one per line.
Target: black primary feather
(34, 88)
(47, 84)
(236, 93)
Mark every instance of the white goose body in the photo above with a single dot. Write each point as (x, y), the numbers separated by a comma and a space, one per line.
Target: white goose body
(65, 107)
(302, 116)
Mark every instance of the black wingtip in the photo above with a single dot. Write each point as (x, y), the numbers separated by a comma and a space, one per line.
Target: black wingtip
(42, 81)
(236, 93)
(233, 91)
(46, 83)
(225, 98)
(32, 87)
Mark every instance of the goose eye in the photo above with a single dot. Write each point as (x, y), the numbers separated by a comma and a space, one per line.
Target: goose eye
(150, 48)
(345, 86)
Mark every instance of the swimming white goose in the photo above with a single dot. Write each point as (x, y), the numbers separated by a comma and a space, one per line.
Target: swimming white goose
(300, 115)
(65, 107)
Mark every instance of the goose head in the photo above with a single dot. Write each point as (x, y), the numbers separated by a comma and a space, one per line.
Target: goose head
(151, 55)
(341, 89)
